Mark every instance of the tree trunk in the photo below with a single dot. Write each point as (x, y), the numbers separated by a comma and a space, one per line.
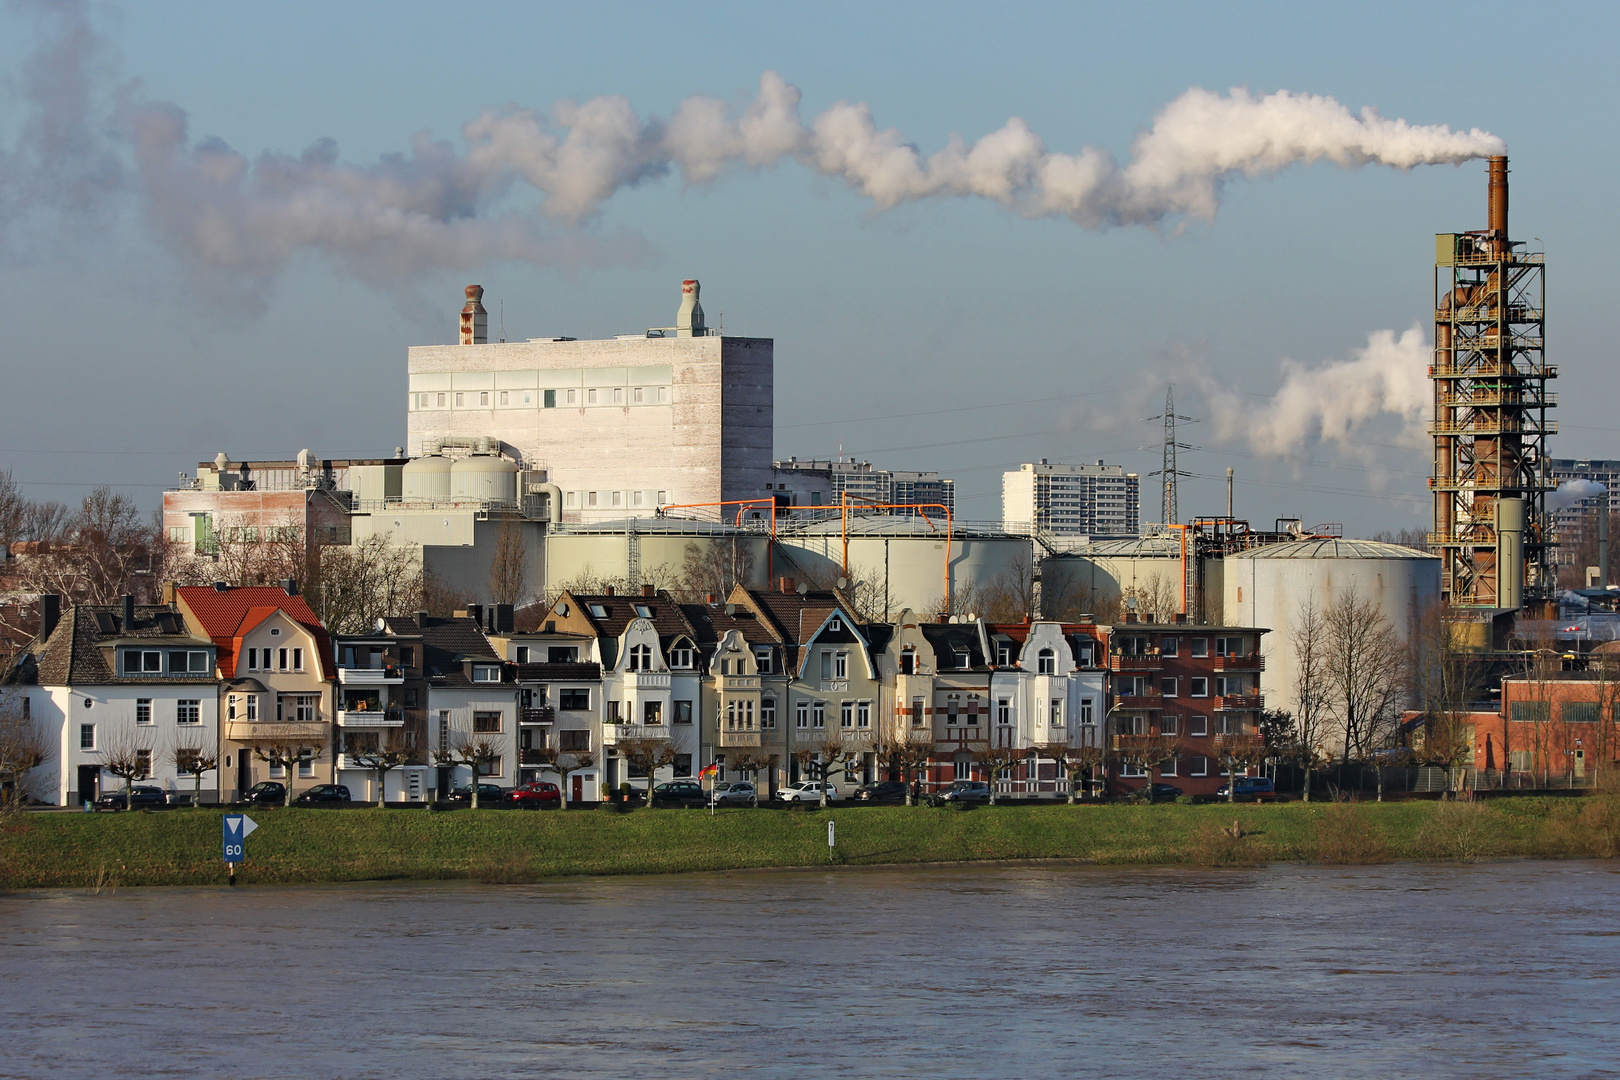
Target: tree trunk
(196, 791)
(1231, 783)
(474, 786)
(562, 788)
(129, 793)
(382, 786)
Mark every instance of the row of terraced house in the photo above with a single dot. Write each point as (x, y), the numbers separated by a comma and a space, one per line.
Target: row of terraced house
(775, 685)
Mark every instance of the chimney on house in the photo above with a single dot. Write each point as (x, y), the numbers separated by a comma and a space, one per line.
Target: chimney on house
(709, 599)
(50, 613)
(220, 586)
(421, 619)
(649, 590)
(607, 590)
(127, 613)
(505, 618)
(787, 584)
(289, 586)
(474, 319)
(475, 612)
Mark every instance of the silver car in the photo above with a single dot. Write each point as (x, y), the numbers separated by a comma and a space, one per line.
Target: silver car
(807, 791)
(737, 792)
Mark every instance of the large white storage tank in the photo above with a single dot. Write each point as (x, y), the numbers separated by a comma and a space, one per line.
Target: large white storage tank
(426, 479)
(903, 559)
(659, 551)
(1097, 575)
(484, 478)
(1265, 586)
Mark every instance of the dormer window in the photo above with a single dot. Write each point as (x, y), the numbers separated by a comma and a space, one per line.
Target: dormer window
(762, 660)
(964, 660)
(1046, 662)
(908, 661)
(486, 673)
(640, 658)
(681, 658)
(644, 611)
(1004, 656)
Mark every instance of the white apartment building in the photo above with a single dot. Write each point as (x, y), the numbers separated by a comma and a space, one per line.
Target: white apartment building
(812, 482)
(669, 416)
(1072, 500)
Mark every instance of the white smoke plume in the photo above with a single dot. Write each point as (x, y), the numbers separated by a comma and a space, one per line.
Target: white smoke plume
(1571, 492)
(1332, 403)
(434, 206)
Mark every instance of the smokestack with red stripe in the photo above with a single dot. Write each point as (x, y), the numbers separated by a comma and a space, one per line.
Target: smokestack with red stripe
(474, 319)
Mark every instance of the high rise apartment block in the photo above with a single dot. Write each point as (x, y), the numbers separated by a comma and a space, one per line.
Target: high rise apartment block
(812, 483)
(1072, 500)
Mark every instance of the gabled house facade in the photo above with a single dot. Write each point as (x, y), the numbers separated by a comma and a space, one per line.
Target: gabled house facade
(276, 682)
(106, 679)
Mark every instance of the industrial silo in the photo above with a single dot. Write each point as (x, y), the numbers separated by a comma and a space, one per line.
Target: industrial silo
(484, 478)
(692, 555)
(1096, 575)
(1265, 586)
(426, 479)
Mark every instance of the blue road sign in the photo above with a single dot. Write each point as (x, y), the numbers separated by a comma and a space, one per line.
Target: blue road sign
(236, 828)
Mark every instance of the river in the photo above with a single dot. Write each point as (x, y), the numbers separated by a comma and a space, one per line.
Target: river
(1501, 969)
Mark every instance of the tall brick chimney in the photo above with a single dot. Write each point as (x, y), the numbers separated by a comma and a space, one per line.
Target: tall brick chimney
(474, 319)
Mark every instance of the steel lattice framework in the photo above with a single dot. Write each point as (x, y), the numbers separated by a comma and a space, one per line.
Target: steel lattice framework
(1490, 422)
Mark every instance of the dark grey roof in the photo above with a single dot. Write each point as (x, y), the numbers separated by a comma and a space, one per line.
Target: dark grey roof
(447, 643)
(72, 656)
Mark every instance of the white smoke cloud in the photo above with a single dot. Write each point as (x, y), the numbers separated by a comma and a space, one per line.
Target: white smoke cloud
(1571, 492)
(432, 206)
(1332, 403)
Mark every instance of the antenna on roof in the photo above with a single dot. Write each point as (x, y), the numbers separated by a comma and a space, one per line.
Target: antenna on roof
(503, 321)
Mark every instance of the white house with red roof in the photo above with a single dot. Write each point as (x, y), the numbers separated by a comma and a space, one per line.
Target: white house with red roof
(277, 681)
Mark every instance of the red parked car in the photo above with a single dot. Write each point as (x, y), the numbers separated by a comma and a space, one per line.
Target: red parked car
(536, 796)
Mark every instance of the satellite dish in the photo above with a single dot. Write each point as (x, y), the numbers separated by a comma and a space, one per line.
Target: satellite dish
(803, 588)
(843, 583)
(731, 609)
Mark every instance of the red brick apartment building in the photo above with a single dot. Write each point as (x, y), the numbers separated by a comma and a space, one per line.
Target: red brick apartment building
(1184, 699)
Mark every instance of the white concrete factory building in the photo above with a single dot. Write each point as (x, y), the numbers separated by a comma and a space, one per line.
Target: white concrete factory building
(669, 416)
(1072, 500)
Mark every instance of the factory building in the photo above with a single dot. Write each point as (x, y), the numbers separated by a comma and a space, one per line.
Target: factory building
(815, 483)
(669, 416)
(1072, 500)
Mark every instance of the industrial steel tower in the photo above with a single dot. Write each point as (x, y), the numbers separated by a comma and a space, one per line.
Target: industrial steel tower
(1490, 416)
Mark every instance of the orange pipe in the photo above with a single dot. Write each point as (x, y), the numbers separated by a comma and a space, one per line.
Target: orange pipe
(949, 528)
(770, 549)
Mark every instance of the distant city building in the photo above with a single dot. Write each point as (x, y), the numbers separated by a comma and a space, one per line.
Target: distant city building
(1567, 521)
(824, 483)
(1072, 500)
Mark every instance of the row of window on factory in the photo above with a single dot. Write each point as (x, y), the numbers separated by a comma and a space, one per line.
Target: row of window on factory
(586, 397)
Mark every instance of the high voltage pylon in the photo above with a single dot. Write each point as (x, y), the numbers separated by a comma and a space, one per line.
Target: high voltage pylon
(1168, 513)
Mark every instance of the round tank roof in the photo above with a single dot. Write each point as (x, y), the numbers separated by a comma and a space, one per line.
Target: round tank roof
(895, 525)
(652, 525)
(1130, 547)
(1333, 548)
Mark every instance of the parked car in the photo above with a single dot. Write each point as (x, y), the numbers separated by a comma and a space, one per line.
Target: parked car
(882, 791)
(680, 793)
(141, 797)
(536, 795)
(737, 793)
(324, 795)
(266, 792)
(807, 791)
(488, 795)
(1160, 791)
(1253, 786)
(967, 791)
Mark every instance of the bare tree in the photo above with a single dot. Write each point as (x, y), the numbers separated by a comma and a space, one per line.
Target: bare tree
(906, 748)
(105, 552)
(1147, 752)
(648, 756)
(1361, 670)
(751, 763)
(381, 752)
(999, 759)
(1311, 693)
(362, 582)
(1157, 598)
(509, 567)
(473, 752)
(285, 746)
(715, 569)
(564, 762)
(193, 761)
(1239, 751)
(23, 748)
(824, 759)
(1078, 763)
(127, 754)
(1443, 683)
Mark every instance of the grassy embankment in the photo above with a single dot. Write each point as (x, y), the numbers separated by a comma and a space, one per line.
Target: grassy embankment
(182, 847)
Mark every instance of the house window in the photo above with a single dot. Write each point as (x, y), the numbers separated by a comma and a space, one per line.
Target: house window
(1580, 712)
(618, 395)
(618, 498)
(1169, 646)
(298, 659)
(1167, 687)
(641, 658)
(486, 723)
(574, 700)
(683, 764)
(908, 661)
(1057, 712)
(143, 762)
(483, 398)
(143, 710)
(490, 767)
(87, 736)
(863, 714)
(652, 712)
(1086, 711)
(590, 397)
(962, 770)
(1004, 657)
(663, 394)
(152, 662)
(841, 665)
(1198, 725)
(1200, 646)
(1224, 686)
(281, 659)
(762, 660)
(486, 673)
(767, 713)
(522, 654)
(801, 715)
(1168, 768)
(1200, 686)
(683, 712)
(575, 741)
(503, 397)
(826, 666)
(304, 706)
(1131, 768)
(637, 396)
(590, 498)
(916, 712)
(444, 731)
(846, 714)
(1046, 662)
(252, 709)
(613, 715)
(306, 765)
(1223, 725)
(439, 400)
(573, 397)
(1198, 766)
(188, 711)
(818, 714)
(1170, 725)
(1532, 712)
(636, 497)
(253, 659)
(1004, 710)
(952, 704)
(834, 625)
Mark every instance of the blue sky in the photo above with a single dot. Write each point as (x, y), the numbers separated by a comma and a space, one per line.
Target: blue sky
(948, 333)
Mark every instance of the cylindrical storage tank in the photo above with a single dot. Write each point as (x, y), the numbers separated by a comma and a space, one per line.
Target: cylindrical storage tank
(698, 557)
(426, 478)
(902, 560)
(1266, 587)
(1094, 578)
(485, 479)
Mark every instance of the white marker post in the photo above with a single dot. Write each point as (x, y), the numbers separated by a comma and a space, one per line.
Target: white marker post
(831, 838)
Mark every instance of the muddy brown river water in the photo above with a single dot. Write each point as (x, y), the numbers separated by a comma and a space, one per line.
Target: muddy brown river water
(1495, 970)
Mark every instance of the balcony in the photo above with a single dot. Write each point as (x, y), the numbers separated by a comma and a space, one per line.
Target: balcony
(740, 737)
(1240, 703)
(359, 676)
(648, 680)
(370, 718)
(613, 733)
(1239, 663)
(1139, 701)
(315, 730)
(1144, 662)
(543, 714)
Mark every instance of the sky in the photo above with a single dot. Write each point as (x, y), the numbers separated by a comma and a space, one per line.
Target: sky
(146, 325)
